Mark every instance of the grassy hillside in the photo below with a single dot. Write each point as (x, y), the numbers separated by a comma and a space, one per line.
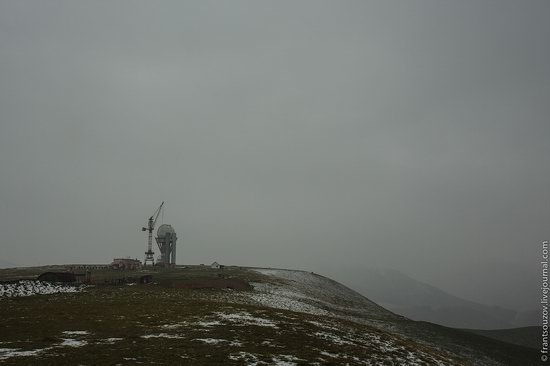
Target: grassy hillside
(285, 318)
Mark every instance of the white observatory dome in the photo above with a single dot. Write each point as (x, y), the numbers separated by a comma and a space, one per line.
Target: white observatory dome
(163, 229)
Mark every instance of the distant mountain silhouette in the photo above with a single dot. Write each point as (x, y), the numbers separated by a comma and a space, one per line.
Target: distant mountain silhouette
(419, 301)
(6, 264)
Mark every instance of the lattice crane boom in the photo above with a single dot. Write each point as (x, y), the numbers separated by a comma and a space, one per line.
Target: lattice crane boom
(149, 254)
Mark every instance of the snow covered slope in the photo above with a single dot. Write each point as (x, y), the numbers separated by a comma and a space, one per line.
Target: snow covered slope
(314, 294)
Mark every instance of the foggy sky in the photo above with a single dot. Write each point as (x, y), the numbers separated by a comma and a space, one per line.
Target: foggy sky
(299, 134)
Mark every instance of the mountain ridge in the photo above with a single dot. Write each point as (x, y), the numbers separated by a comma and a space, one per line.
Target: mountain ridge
(420, 301)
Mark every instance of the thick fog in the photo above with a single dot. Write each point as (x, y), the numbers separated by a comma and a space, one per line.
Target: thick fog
(412, 135)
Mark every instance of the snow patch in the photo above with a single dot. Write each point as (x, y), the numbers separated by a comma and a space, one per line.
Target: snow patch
(249, 358)
(162, 335)
(333, 355)
(28, 288)
(6, 353)
(210, 340)
(76, 332)
(244, 318)
(69, 342)
(208, 324)
(213, 341)
(332, 337)
(173, 326)
(111, 340)
(285, 360)
(322, 325)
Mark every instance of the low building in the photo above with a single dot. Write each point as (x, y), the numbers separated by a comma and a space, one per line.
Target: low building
(216, 265)
(126, 264)
(57, 277)
(89, 266)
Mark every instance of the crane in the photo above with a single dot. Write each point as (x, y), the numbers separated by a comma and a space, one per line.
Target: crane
(150, 227)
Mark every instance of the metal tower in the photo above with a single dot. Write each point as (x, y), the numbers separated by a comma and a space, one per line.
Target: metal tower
(149, 254)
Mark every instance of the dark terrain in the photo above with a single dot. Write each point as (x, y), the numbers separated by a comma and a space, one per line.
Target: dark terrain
(283, 317)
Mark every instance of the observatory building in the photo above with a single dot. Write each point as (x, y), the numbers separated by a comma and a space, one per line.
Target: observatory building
(166, 240)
